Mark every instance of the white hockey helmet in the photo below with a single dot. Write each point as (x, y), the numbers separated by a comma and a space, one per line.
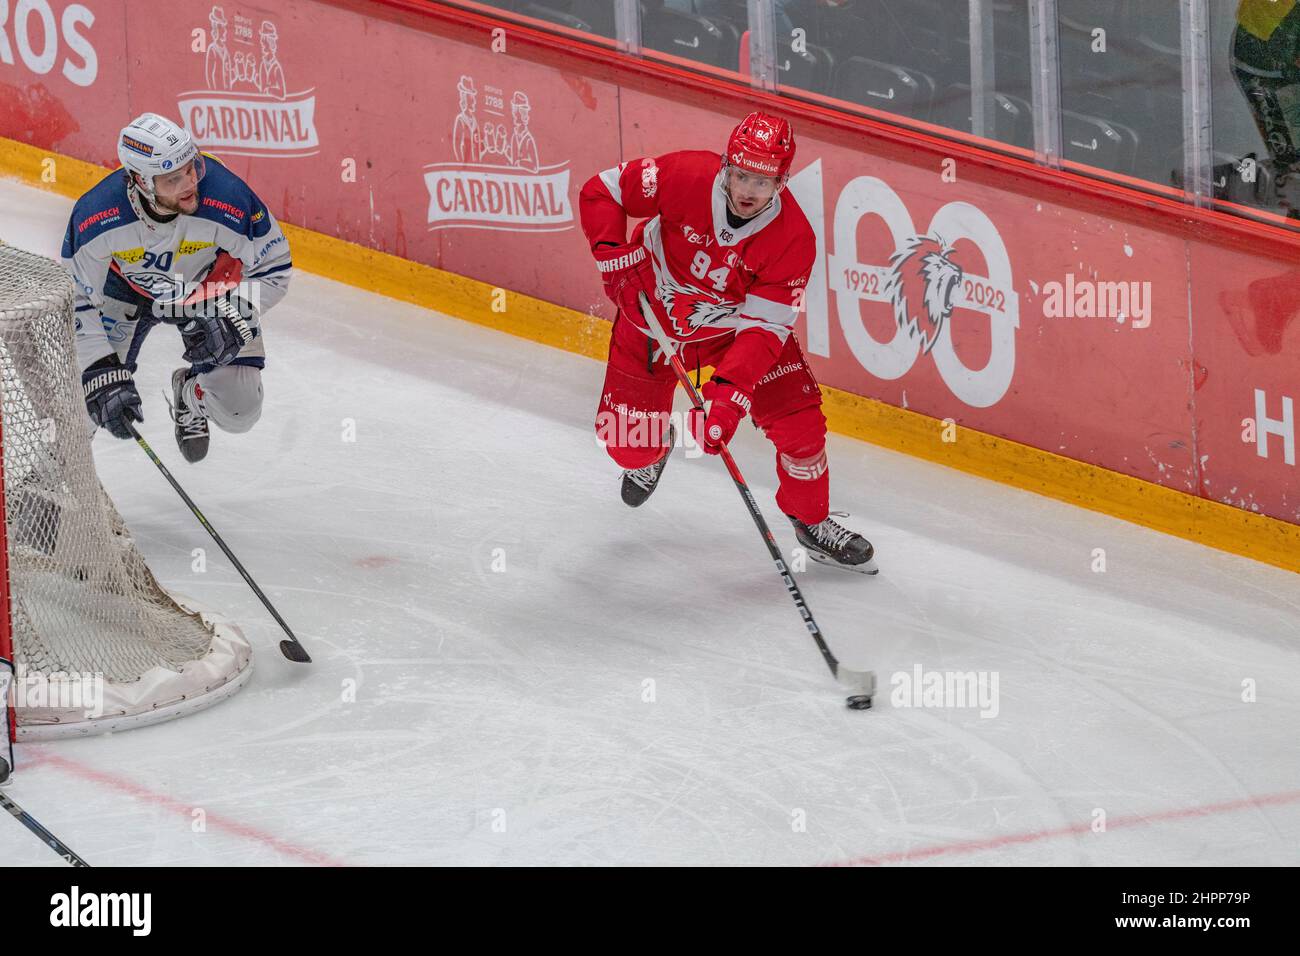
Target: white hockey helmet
(152, 145)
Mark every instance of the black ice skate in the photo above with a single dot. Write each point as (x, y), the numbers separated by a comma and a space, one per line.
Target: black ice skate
(640, 483)
(829, 543)
(187, 413)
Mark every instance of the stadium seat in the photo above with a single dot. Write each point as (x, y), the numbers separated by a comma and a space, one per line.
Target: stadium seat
(1161, 93)
(1135, 85)
(809, 69)
(1013, 116)
(1228, 183)
(731, 17)
(1010, 48)
(598, 13)
(553, 15)
(685, 35)
(885, 86)
(1098, 142)
(923, 36)
(846, 32)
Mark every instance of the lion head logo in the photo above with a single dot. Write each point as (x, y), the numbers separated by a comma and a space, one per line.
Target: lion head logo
(922, 282)
(688, 307)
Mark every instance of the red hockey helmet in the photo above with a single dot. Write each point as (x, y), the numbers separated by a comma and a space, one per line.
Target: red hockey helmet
(761, 144)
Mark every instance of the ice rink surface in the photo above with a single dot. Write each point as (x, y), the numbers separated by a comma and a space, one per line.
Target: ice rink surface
(514, 668)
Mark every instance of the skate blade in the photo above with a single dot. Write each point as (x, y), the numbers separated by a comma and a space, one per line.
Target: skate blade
(866, 567)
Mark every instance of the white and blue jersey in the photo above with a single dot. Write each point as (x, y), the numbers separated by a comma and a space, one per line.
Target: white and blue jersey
(112, 245)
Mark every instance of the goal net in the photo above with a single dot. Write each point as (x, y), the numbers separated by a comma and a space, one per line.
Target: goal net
(96, 643)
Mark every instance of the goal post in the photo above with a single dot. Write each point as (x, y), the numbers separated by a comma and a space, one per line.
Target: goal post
(96, 643)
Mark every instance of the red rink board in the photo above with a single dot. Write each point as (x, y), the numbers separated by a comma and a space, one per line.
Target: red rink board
(1121, 331)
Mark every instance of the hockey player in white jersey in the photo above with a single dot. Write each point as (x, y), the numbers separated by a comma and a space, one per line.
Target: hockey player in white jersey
(174, 238)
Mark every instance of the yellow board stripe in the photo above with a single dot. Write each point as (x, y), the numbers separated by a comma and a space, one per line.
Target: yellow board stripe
(1089, 486)
(1187, 516)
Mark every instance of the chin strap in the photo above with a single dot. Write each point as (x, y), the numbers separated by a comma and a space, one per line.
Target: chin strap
(134, 196)
(141, 203)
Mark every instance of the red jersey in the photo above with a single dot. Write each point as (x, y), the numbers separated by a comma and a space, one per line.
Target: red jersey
(714, 279)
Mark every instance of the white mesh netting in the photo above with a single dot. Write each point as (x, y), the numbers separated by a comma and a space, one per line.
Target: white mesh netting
(87, 614)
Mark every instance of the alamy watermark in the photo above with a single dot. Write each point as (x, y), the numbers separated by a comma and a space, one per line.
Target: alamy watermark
(1090, 299)
(944, 689)
(75, 908)
(61, 690)
(625, 427)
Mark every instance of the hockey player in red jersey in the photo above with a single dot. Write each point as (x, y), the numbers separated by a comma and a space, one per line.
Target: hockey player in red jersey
(723, 254)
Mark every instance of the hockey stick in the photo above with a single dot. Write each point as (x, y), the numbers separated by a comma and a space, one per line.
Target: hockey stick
(862, 683)
(46, 837)
(292, 648)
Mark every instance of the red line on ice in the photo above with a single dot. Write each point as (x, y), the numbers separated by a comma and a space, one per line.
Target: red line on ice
(137, 792)
(1077, 829)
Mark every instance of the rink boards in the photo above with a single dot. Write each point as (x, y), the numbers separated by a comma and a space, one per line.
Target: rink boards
(1112, 350)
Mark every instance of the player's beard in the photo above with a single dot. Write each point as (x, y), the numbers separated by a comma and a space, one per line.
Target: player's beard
(175, 206)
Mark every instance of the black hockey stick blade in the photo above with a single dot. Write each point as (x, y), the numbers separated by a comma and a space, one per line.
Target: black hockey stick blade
(295, 652)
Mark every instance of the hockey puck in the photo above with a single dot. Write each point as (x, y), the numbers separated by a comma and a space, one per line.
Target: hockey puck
(858, 702)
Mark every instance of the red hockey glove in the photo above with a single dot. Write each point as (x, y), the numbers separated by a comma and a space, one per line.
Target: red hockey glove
(728, 404)
(627, 271)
